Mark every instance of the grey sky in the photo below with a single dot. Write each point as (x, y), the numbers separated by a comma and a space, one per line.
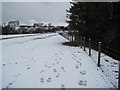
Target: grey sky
(30, 12)
(0, 13)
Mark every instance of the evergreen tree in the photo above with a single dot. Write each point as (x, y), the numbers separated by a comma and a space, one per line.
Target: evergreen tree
(97, 20)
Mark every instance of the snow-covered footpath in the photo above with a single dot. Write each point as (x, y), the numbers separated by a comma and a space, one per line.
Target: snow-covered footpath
(43, 62)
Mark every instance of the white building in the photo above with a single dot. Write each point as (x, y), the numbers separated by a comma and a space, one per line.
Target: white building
(13, 24)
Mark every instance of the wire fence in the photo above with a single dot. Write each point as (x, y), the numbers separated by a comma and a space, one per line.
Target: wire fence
(106, 58)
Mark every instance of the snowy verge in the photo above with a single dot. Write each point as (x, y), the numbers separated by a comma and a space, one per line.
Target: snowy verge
(44, 62)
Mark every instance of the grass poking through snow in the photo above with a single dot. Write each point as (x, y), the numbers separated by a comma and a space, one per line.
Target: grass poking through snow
(71, 44)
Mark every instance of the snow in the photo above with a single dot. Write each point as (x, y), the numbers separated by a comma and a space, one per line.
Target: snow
(108, 65)
(15, 35)
(42, 61)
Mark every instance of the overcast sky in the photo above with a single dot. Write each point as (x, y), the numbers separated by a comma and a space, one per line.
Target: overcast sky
(30, 12)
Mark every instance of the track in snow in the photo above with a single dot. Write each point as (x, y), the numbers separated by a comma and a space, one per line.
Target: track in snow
(43, 62)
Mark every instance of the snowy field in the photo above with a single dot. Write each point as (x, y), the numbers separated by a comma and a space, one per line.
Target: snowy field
(16, 36)
(42, 61)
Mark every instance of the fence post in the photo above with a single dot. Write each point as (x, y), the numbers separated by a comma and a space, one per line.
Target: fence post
(77, 39)
(81, 42)
(84, 43)
(89, 47)
(70, 38)
(99, 53)
(73, 38)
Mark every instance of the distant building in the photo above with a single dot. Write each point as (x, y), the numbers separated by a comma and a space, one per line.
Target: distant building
(38, 24)
(15, 27)
(13, 24)
(24, 28)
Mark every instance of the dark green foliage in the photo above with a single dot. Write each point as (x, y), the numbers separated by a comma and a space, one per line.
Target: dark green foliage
(99, 21)
(8, 30)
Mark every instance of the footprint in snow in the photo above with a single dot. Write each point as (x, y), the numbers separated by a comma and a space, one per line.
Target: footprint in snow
(8, 86)
(74, 55)
(115, 71)
(60, 59)
(112, 65)
(77, 66)
(28, 68)
(16, 63)
(115, 63)
(55, 53)
(80, 64)
(54, 70)
(49, 67)
(80, 59)
(63, 69)
(41, 71)
(57, 62)
(55, 59)
(57, 75)
(61, 54)
(82, 83)
(62, 87)
(27, 65)
(42, 80)
(17, 75)
(73, 58)
(3, 64)
(49, 79)
(83, 72)
(45, 65)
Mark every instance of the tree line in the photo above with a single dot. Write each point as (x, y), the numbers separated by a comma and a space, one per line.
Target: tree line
(99, 21)
(6, 30)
